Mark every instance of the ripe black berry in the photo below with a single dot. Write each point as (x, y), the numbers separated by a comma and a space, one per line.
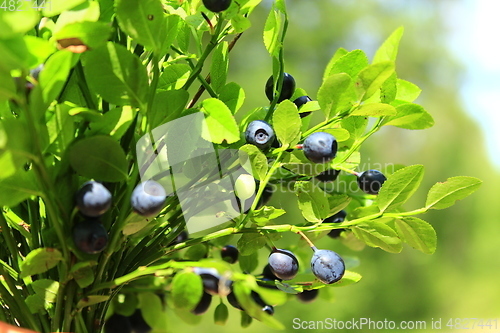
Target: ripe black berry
(308, 296)
(231, 298)
(328, 175)
(90, 236)
(260, 134)
(217, 5)
(203, 304)
(268, 274)
(283, 264)
(148, 198)
(301, 101)
(336, 218)
(371, 181)
(93, 199)
(287, 90)
(210, 278)
(229, 254)
(117, 324)
(327, 266)
(320, 147)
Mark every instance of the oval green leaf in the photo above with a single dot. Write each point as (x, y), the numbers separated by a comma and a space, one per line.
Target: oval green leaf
(39, 261)
(399, 187)
(444, 195)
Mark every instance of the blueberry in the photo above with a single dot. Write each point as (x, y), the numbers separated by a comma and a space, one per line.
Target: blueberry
(301, 101)
(327, 266)
(90, 236)
(307, 296)
(260, 134)
(329, 175)
(203, 304)
(336, 218)
(138, 323)
(288, 87)
(229, 254)
(93, 199)
(371, 181)
(320, 147)
(210, 278)
(268, 274)
(148, 198)
(231, 298)
(283, 264)
(217, 5)
(117, 324)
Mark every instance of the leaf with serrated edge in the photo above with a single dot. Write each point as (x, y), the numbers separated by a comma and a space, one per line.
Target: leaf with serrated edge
(220, 122)
(389, 49)
(312, 202)
(399, 187)
(444, 195)
(286, 123)
(378, 234)
(258, 160)
(374, 110)
(372, 77)
(417, 233)
(39, 261)
(330, 92)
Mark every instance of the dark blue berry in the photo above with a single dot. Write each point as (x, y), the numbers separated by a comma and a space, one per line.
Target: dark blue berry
(229, 254)
(217, 5)
(93, 199)
(210, 278)
(329, 175)
(90, 236)
(117, 324)
(336, 218)
(308, 296)
(301, 101)
(320, 147)
(260, 134)
(203, 304)
(287, 90)
(148, 198)
(283, 264)
(327, 266)
(371, 181)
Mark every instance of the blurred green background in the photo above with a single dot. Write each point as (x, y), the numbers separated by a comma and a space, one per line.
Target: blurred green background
(461, 280)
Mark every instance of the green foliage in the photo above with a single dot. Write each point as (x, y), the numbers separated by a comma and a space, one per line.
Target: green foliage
(106, 84)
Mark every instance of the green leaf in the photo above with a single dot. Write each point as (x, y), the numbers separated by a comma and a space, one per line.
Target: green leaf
(55, 73)
(313, 202)
(143, 20)
(417, 233)
(196, 252)
(378, 234)
(233, 96)
(114, 123)
(262, 216)
(399, 187)
(407, 91)
(92, 34)
(240, 23)
(45, 294)
(221, 314)
(410, 116)
(61, 128)
(340, 134)
(374, 110)
(337, 55)
(39, 261)
(125, 304)
(91, 300)
(174, 76)
(349, 278)
(19, 21)
(272, 32)
(151, 309)
(187, 288)
(351, 63)
(83, 273)
(356, 125)
(286, 123)
(330, 92)
(444, 195)
(55, 7)
(17, 188)
(249, 263)
(168, 106)
(388, 91)
(219, 66)
(117, 75)
(220, 122)
(7, 85)
(389, 49)
(108, 163)
(372, 77)
(258, 160)
(337, 202)
(250, 243)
